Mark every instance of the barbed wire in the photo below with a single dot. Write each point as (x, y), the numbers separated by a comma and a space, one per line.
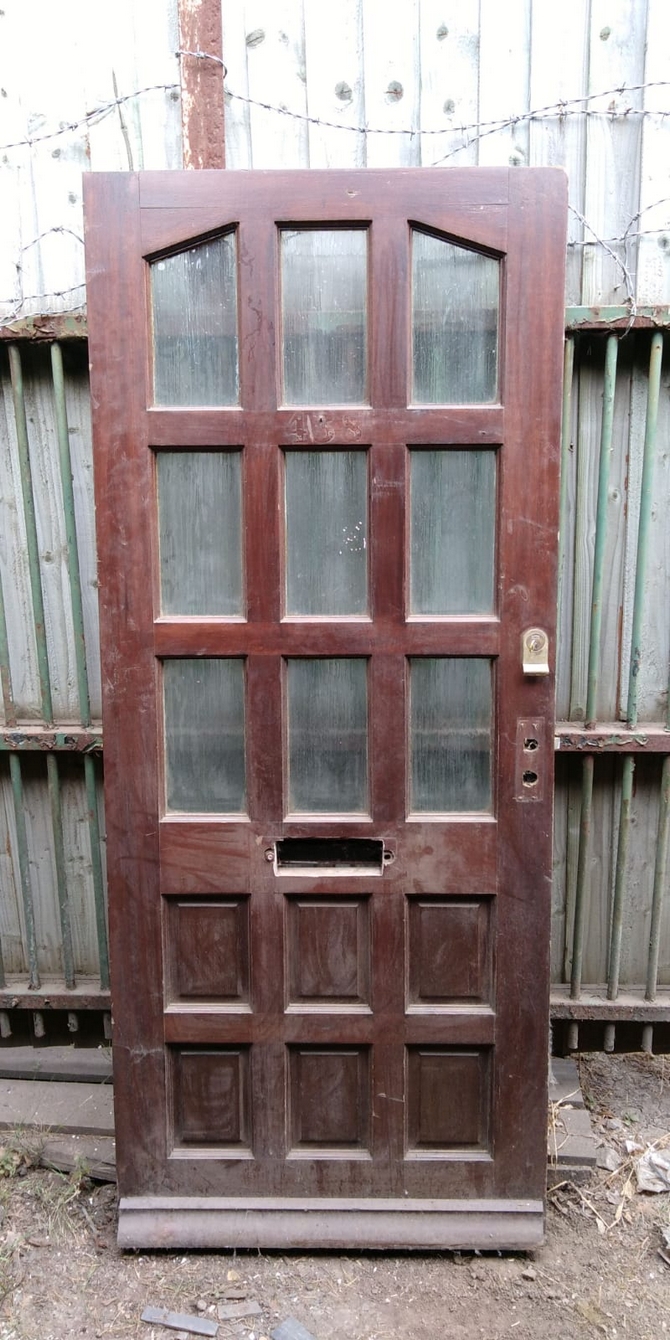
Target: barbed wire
(618, 260)
(17, 302)
(470, 133)
(561, 109)
(89, 118)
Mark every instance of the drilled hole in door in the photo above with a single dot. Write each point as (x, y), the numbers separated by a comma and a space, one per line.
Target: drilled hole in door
(529, 778)
(530, 743)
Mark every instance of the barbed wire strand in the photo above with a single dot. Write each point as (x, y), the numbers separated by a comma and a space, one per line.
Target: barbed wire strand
(627, 277)
(89, 118)
(565, 107)
(577, 106)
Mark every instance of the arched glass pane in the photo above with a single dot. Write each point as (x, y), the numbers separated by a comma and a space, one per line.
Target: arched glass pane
(194, 303)
(324, 315)
(455, 301)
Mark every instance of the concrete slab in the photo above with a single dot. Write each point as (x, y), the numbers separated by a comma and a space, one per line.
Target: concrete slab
(82, 1109)
(71, 1064)
(572, 1144)
(565, 1087)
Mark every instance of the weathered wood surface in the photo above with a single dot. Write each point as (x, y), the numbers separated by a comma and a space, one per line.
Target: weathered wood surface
(163, 1110)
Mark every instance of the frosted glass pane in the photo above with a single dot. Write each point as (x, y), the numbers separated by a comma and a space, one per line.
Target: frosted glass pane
(204, 735)
(200, 532)
(455, 296)
(450, 734)
(452, 531)
(324, 302)
(326, 532)
(327, 736)
(194, 298)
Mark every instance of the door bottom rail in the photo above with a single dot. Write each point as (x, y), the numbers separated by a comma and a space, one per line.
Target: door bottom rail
(207, 1222)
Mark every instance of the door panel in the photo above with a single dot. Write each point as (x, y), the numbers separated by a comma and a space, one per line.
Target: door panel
(326, 424)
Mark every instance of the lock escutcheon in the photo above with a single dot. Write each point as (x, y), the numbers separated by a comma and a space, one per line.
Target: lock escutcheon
(535, 652)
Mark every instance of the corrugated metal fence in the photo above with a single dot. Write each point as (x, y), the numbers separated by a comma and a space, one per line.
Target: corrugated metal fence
(586, 86)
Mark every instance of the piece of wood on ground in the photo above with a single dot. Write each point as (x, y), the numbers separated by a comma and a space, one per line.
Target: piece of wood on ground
(78, 1109)
(92, 1156)
(235, 1311)
(291, 1330)
(179, 1321)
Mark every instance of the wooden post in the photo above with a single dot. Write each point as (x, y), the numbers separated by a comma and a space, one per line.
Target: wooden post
(202, 120)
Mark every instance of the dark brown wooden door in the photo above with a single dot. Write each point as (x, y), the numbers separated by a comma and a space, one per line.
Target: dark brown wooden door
(326, 412)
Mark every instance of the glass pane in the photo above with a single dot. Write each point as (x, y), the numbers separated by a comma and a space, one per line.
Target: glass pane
(326, 532)
(452, 531)
(204, 735)
(450, 734)
(194, 297)
(200, 532)
(327, 736)
(455, 295)
(324, 311)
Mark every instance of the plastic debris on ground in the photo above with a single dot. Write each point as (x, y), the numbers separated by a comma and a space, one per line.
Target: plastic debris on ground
(652, 1170)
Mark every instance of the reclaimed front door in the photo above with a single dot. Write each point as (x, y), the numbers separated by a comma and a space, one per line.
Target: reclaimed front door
(326, 410)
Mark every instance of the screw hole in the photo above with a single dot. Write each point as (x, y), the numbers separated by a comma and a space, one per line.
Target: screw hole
(388, 857)
(530, 743)
(529, 778)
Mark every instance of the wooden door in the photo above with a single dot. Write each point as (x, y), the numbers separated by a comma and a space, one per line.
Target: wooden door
(326, 412)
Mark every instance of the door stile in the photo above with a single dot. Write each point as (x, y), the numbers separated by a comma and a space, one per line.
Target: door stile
(257, 298)
(123, 482)
(388, 732)
(388, 742)
(388, 493)
(528, 551)
(261, 523)
(264, 740)
(388, 301)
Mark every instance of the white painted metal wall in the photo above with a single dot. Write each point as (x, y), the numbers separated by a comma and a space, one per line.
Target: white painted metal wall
(584, 85)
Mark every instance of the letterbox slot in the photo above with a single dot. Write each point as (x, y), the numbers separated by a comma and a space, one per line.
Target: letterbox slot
(329, 856)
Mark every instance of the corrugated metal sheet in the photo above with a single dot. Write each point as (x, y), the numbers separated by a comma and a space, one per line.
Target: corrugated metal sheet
(585, 85)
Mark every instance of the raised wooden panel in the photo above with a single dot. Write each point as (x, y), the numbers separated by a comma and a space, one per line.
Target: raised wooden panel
(329, 1101)
(210, 1097)
(207, 950)
(448, 951)
(328, 951)
(448, 1092)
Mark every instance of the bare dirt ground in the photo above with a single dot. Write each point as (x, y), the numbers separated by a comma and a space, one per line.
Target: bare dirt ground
(599, 1273)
